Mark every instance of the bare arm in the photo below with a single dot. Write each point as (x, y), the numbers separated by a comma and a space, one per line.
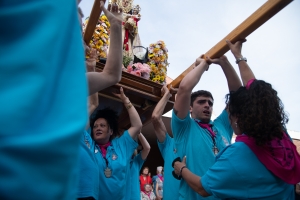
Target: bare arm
(135, 120)
(192, 180)
(245, 70)
(159, 126)
(145, 145)
(112, 71)
(182, 103)
(233, 79)
(93, 101)
(298, 188)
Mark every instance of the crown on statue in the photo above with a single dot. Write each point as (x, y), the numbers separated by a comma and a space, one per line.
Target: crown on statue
(136, 8)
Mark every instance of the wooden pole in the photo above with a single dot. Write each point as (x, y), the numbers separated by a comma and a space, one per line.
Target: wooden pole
(94, 17)
(259, 17)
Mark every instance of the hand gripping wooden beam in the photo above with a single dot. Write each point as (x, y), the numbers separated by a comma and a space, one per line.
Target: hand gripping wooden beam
(259, 17)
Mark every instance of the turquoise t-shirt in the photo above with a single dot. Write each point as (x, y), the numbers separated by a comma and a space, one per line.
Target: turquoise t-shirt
(118, 156)
(168, 152)
(238, 174)
(43, 104)
(197, 145)
(134, 183)
(89, 169)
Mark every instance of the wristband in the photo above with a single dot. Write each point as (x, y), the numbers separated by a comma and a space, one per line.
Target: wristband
(180, 173)
(241, 59)
(128, 106)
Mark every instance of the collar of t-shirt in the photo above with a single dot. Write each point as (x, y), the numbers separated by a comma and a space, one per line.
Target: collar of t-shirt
(103, 148)
(207, 126)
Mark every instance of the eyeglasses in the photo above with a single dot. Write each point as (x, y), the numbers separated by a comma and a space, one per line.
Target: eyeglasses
(203, 101)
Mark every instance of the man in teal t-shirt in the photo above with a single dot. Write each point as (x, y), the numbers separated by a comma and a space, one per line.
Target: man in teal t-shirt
(166, 146)
(196, 136)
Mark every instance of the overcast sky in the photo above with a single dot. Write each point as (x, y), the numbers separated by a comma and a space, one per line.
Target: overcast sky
(191, 28)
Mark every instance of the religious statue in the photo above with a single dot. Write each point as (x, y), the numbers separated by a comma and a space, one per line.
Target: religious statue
(130, 35)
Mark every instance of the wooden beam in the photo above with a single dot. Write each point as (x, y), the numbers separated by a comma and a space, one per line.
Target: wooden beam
(259, 17)
(93, 19)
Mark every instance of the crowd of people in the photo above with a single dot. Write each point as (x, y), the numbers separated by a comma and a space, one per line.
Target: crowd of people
(49, 151)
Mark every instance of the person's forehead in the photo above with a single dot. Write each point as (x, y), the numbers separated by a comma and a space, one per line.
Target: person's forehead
(101, 120)
(203, 98)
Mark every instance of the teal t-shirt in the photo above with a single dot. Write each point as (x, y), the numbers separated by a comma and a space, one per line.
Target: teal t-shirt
(89, 170)
(238, 174)
(168, 152)
(197, 145)
(134, 183)
(43, 104)
(118, 156)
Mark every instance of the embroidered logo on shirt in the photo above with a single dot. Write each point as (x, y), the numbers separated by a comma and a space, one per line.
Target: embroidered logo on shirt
(225, 141)
(87, 144)
(96, 150)
(114, 157)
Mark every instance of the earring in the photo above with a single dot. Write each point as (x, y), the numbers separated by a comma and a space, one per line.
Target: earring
(236, 125)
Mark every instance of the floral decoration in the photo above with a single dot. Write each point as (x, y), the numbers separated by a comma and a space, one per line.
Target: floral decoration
(139, 69)
(158, 61)
(100, 38)
(127, 59)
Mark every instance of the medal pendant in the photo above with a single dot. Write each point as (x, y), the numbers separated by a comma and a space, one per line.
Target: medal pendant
(107, 172)
(215, 150)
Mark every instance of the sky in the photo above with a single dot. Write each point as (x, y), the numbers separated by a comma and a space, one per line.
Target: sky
(191, 28)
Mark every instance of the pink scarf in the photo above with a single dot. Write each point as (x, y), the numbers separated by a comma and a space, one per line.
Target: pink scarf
(207, 127)
(160, 177)
(249, 83)
(278, 156)
(103, 148)
(147, 193)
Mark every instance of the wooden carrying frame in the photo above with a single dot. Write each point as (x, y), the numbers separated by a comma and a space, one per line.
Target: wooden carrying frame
(144, 94)
(259, 17)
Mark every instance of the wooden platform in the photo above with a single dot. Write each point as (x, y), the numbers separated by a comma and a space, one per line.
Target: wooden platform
(143, 94)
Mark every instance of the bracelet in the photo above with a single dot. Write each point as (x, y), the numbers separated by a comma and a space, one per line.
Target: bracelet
(241, 59)
(180, 172)
(127, 103)
(128, 106)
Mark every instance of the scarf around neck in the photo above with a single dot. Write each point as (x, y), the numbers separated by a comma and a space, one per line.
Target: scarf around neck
(279, 156)
(207, 127)
(160, 177)
(103, 148)
(148, 194)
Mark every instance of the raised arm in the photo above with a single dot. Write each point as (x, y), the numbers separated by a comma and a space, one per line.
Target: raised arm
(182, 103)
(135, 120)
(158, 125)
(112, 71)
(233, 79)
(145, 145)
(93, 101)
(245, 71)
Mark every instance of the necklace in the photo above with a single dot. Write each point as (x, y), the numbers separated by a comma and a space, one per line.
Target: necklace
(212, 134)
(107, 170)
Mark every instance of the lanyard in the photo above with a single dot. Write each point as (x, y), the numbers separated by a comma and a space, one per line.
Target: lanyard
(212, 134)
